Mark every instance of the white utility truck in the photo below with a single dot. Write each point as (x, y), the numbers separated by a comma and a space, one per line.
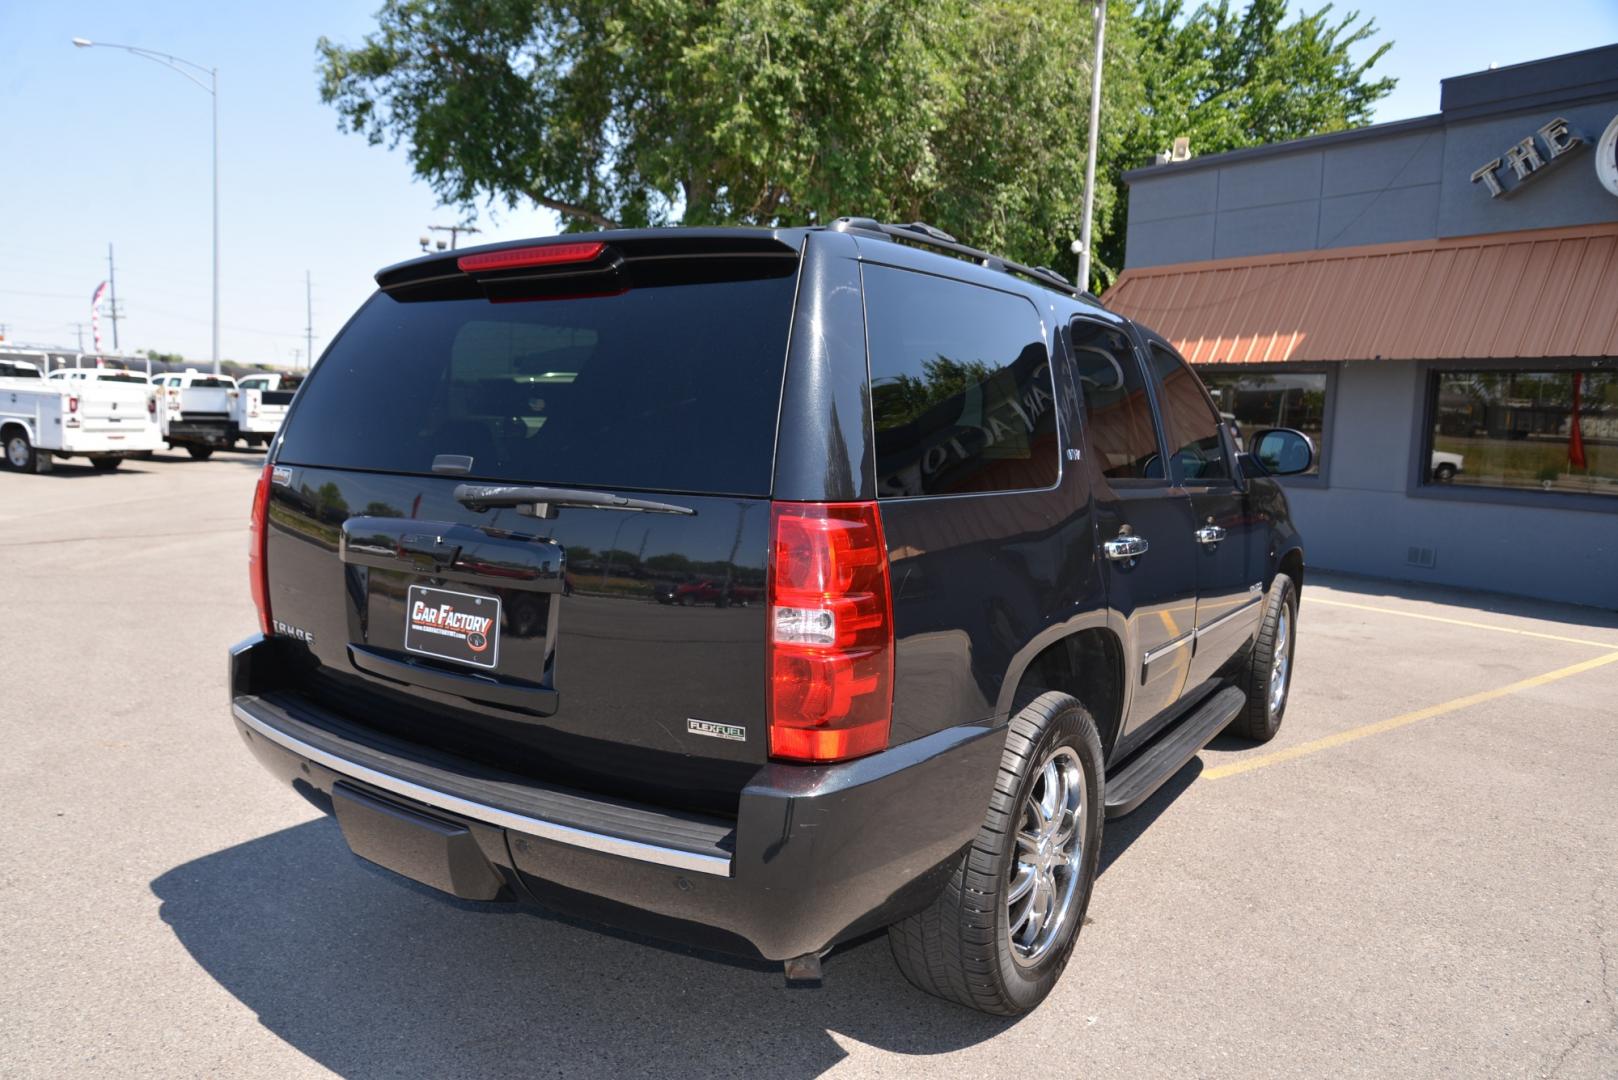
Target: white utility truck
(104, 414)
(196, 411)
(261, 404)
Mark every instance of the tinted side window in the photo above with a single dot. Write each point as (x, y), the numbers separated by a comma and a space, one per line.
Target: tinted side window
(1117, 413)
(1199, 452)
(961, 392)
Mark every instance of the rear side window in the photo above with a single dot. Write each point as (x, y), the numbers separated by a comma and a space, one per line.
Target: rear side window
(1118, 422)
(17, 371)
(1199, 452)
(961, 392)
(666, 388)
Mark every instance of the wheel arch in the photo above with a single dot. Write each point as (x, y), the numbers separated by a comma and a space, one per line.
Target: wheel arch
(11, 424)
(1083, 661)
(1291, 564)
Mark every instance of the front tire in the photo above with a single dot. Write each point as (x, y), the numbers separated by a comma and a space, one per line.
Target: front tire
(999, 936)
(1267, 678)
(1445, 473)
(105, 464)
(200, 453)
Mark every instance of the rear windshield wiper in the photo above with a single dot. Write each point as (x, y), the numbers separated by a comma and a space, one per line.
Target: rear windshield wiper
(543, 502)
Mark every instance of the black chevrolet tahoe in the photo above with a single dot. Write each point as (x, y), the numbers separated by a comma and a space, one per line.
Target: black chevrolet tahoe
(760, 589)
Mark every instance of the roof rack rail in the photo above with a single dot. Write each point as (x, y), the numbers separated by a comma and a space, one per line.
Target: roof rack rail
(924, 235)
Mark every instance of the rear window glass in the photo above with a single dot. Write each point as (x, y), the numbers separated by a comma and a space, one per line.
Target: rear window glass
(961, 392)
(123, 377)
(10, 370)
(664, 388)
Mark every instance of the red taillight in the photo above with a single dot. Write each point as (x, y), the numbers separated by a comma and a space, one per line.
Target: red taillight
(540, 255)
(73, 403)
(258, 572)
(831, 632)
(151, 404)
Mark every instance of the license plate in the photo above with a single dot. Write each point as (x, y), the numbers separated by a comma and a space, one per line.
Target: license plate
(463, 627)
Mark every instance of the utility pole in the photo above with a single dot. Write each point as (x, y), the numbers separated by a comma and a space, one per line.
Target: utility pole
(455, 232)
(78, 328)
(1100, 9)
(309, 319)
(112, 295)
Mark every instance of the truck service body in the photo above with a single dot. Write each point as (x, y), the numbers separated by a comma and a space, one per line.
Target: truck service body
(103, 414)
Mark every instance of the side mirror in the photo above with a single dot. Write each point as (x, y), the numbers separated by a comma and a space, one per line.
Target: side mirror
(1283, 451)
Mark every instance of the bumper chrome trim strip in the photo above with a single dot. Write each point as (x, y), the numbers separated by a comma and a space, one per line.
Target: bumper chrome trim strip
(492, 815)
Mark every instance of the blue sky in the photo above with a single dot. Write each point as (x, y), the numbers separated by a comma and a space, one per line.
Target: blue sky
(102, 146)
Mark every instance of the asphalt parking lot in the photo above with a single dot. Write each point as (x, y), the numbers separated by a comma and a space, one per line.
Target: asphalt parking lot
(1419, 877)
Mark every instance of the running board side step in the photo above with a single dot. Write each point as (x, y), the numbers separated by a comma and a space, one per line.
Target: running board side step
(1151, 768)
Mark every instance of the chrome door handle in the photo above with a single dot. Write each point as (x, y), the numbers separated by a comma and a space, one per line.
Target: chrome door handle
(1125, 547)
(1210, 534)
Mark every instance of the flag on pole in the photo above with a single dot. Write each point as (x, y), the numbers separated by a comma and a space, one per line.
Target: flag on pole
(1575, 437)
(95, 318)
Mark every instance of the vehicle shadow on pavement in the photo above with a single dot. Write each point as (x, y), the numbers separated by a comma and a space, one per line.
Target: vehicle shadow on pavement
(1119, 834)
(371, 975)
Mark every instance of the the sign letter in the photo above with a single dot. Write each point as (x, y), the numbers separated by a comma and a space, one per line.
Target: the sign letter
(1558, 138)
(1486, 174)
(1524, 158)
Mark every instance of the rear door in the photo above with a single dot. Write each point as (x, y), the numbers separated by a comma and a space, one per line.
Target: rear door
(537, 642)
(1229, 549)
(112, 402)
(1144, 519)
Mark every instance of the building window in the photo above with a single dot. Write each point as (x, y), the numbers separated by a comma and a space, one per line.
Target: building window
(1553, 431)
(1255, 400)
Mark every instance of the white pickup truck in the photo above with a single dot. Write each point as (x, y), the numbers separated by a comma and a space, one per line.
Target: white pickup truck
(196, 410)
(104, 414)
(261, 405)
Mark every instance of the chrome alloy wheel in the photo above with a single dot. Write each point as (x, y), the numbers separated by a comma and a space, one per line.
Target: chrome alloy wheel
(1281, 665)
(17, 451)
(1044, 876)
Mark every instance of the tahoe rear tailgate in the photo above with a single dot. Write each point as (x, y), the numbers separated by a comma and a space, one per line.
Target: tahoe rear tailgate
(619, 650)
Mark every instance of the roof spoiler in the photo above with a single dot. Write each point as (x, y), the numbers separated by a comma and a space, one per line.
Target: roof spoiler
(583, 261)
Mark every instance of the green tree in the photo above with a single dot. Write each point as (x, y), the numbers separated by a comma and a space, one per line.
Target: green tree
(969, 114)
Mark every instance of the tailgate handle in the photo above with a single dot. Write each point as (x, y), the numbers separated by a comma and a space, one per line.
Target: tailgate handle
(454, 551)
(534, 699)
(543, 502)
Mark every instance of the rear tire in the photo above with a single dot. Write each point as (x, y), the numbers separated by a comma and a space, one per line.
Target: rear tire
(1445, 473)
(200, 453)
(20, 453)
(105, 464)
(983, 943)
(1267, 678)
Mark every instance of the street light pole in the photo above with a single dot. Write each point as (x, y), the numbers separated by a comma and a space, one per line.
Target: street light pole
(1100, 9)
(177, 64)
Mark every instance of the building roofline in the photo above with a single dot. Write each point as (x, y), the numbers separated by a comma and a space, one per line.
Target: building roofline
(1567, 79)
(1312, 142)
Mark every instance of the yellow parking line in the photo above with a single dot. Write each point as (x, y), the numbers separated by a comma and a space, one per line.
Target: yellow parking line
(1330, 741)
(1460, 622)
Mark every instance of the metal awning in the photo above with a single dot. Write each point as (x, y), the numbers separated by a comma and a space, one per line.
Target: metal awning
(1533, 294)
